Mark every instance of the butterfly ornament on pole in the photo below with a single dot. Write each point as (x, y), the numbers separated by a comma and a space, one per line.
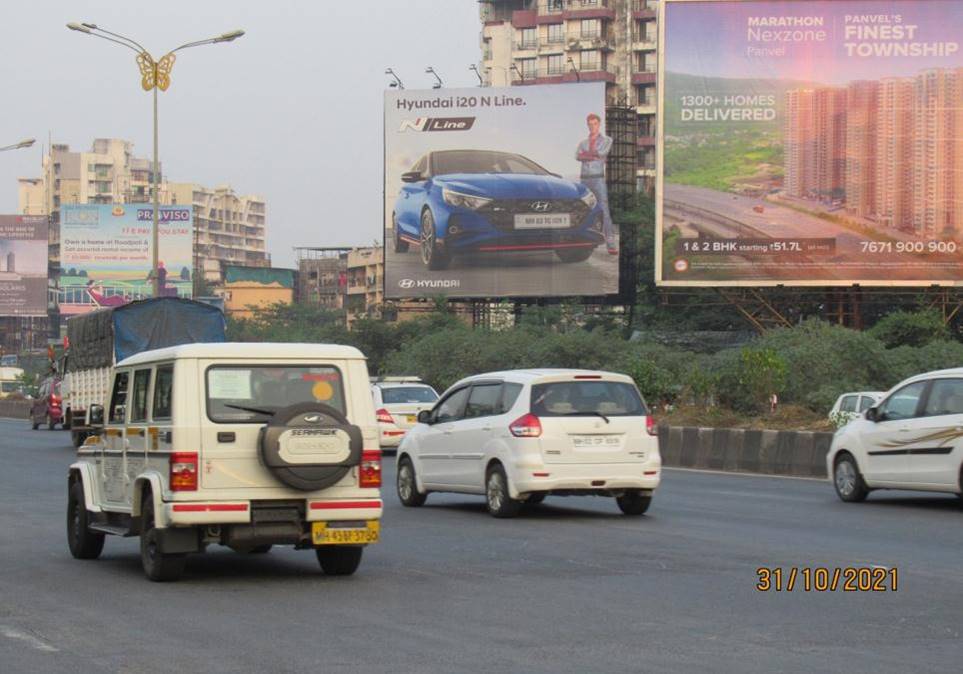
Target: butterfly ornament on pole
(155, 73)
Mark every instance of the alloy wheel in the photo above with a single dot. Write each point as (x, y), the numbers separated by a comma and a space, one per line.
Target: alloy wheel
(427, 238)
(496, 492)
(845, 478)
(405, 482)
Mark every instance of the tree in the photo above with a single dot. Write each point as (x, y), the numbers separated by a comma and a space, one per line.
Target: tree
(904, 328)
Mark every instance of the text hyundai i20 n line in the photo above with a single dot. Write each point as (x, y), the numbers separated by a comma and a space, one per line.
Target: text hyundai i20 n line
(457, 202)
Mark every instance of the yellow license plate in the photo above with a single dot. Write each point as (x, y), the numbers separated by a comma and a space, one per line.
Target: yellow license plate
(323, 533)
(412, 418)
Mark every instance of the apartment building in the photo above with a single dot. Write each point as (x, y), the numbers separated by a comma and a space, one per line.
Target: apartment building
(555, 41)
(364, 292)
(902, 144)
(229, 229)
(322, 276)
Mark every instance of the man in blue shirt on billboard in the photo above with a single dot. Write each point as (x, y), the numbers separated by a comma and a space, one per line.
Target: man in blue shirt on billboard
(592, 152)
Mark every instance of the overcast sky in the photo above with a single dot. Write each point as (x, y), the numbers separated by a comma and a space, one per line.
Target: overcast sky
(292, 111)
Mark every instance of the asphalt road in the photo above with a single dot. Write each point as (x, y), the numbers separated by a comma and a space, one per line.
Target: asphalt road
(570, 586)
(523, 274)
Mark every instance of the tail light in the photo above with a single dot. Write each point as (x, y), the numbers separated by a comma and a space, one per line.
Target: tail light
(183, 475)
(384, 416)
(527, 426)
(650, 426)
(369, 472)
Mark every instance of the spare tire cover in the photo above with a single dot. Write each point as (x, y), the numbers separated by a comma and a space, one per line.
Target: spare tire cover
(310, 446)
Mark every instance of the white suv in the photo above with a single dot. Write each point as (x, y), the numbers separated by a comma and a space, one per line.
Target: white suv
(521, 435)
(245, 445)
(397, 401)
(913, 439)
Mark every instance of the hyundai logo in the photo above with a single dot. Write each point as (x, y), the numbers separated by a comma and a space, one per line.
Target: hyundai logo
(541, 206)
(406, 283)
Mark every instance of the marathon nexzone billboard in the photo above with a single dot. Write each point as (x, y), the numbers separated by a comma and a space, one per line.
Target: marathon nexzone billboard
(23, 265)
(811, 143)
(105, 254)
(498, 192)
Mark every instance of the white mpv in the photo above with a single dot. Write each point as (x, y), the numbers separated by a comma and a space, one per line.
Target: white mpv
(913, 439)
(519, 436)
(242, 445)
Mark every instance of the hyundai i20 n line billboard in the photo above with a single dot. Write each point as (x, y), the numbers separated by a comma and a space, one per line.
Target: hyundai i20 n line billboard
(811, 143)
(498, 192)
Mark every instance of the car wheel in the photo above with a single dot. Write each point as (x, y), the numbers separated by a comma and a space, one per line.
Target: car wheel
(634, 502)
(432, 254)
(158, 566)
(339, 560)
(83, 543)
(536, 498)
(500, 503)
(574, 254)
(51, 424)
(407, 485)
(848, 481)
(401, 246)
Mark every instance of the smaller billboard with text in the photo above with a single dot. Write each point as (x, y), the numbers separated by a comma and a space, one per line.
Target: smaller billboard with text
(498, 192)
(23, 265)
(105, 253)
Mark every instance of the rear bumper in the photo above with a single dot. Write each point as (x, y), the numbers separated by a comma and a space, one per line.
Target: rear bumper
(391, 438)
(586, 477)
(193, 513)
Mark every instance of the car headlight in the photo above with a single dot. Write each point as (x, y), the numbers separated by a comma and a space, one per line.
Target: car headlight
(590, 200)
(457, 199)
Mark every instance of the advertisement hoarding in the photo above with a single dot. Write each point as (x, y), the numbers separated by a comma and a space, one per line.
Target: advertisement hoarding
(498, 192)
(105, 254)
(23, 265)
(810, 143)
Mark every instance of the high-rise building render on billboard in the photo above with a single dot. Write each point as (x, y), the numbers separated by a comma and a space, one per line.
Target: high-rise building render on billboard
(556, 41)
(230, 229)
(889, 150)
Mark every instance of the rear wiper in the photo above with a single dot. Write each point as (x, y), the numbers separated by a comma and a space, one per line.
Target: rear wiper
(256, 410)
(585, 413)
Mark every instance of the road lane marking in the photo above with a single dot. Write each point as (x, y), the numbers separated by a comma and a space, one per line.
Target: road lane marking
(29, 639)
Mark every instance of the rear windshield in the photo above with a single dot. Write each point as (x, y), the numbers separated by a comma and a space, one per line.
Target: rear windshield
(241, 394)
(408, 394)
(576, 398)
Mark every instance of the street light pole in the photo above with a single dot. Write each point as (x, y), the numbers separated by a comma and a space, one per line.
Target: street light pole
(155, 74)
(19, 146)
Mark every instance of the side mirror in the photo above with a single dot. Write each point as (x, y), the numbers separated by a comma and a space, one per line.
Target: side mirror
(96, 413)
(872, 414)
(411, 177)
(424, 417)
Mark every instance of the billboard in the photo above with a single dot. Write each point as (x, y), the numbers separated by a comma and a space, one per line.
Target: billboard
(105, 254)
(498, 192)
(810, 143)
(23, 265)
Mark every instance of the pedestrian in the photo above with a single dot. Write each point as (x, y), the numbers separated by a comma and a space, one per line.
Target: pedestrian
(773, 402)
(592, 153)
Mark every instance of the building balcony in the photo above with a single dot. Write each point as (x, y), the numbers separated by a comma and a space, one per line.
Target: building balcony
(646, 141)
(588, 9)
(566, 75)
(645, 42)
(590, 42)
(646, 107)
(647, 77)
(530, 46)
(645, 9)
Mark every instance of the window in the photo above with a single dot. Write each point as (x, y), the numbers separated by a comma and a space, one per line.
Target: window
(509, 396)
(528, 68)
(483, 401)
(946, 397)
(586, 398)
(848, 404)
(590, 28)
(556, 33)
(163, 390)
(118, 399)
(138, 402)
(865, 402)
(451, 407)
(529, 38)
(556, 66)
(590, 60)
(903, 403)
(391, 395)
(252, 394)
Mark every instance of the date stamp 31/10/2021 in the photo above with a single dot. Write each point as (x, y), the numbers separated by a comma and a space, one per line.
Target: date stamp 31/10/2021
(827, 579)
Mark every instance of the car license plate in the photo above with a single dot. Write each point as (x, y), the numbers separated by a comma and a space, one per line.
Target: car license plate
(411, 418)
(596, 441)
(542, 221)
(329, 533)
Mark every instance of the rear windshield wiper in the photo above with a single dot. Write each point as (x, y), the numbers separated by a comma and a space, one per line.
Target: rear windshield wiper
(256, 410)
(587, 413)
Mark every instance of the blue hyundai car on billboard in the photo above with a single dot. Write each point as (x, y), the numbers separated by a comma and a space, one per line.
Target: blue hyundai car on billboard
(462, 202)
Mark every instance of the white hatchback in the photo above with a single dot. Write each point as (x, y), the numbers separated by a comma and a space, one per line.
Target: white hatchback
(397, 402)
(520, 435)
(913, 439)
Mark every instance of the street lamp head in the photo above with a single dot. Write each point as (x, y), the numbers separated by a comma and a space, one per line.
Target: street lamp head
(91, 26)
(26, 143)
(229, 37)
(429, 69)
(78, 27)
